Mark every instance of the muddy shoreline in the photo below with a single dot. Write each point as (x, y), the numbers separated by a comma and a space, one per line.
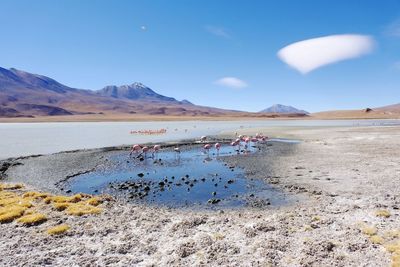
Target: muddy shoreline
(343, 176)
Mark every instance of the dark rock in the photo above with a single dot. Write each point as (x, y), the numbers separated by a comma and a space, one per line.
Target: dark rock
(214, 200)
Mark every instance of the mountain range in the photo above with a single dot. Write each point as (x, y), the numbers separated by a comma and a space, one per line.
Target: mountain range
(24, 94)
(282, 109)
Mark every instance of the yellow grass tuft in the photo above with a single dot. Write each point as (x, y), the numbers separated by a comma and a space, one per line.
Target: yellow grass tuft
(376, 239)
(218, 236)
(35, 195)
(395, 260)
(32, 219)
(11, 186)
(392, 234)
(5, 194)
(307, 228)
(9, 201)
(315, 218)
(13, 208)
(10, 216)
(382, 213)
(369, 230)
(62, 199)
(80, 209)
(58, 230)
(61, 206)
(393, 247)
(94, 201)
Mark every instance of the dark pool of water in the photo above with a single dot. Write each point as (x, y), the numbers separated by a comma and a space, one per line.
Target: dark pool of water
(191, 178)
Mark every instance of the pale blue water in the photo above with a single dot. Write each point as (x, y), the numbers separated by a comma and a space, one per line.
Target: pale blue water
(190, 179)
(22, 139)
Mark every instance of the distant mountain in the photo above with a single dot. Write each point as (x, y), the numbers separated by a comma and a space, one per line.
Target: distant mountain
(385, 112)
(23, 94)
(391, 108)
(135, 91)
(282, 109)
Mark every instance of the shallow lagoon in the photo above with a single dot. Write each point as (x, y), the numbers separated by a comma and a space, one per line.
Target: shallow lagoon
(193, 178)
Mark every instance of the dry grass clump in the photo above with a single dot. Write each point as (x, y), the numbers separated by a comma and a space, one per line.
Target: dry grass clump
(9, 216)
(392, 234)
(14, 200)
(382, 213)
(35, 195)
(63, 199)
(80, 209)
(369, 230)
(58, 230)
(396, 260)
(393, 247)
(316, 218)
(10, 186)
(13, 208)
(94, 201)
(61, 206)
(16, 205)
(32, 219)
(376, 239)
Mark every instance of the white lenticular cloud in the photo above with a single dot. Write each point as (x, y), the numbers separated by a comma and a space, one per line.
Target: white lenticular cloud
(311, 54)
(231, 82)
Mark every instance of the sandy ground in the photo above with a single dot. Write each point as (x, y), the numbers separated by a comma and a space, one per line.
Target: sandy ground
(343, 176)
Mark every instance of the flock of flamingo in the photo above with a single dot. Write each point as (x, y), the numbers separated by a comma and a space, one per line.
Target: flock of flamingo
(238, 142)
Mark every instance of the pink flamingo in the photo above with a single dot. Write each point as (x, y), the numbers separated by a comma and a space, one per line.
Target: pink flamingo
(247, 141)
(156, 148)
(264, 139)
(135, 149)
(237, 141)
(145, 149)
(207, 147)
(234, 144)
(254, 140)
(218, 147)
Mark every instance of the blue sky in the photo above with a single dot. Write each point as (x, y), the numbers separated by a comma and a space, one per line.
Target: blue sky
(180, 48)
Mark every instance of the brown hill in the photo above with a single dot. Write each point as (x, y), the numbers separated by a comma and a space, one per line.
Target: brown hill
(386, 112)
(24, 94)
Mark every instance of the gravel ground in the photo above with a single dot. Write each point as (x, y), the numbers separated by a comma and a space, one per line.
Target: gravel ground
(342, 177)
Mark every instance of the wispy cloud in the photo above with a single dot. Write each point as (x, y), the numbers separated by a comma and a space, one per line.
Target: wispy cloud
(231, 82)
(311, 54)
(217, 31)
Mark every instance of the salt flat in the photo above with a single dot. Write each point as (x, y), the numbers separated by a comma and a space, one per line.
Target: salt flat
(345, 179)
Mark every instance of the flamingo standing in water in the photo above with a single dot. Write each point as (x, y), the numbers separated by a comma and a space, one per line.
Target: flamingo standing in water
(207, 147)
(135, 149)
(177, 151)
(237, 141)
(218, 147)
(247, 141)
(145, 149)
(233, 143)
(254, 140)
(156, 148)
